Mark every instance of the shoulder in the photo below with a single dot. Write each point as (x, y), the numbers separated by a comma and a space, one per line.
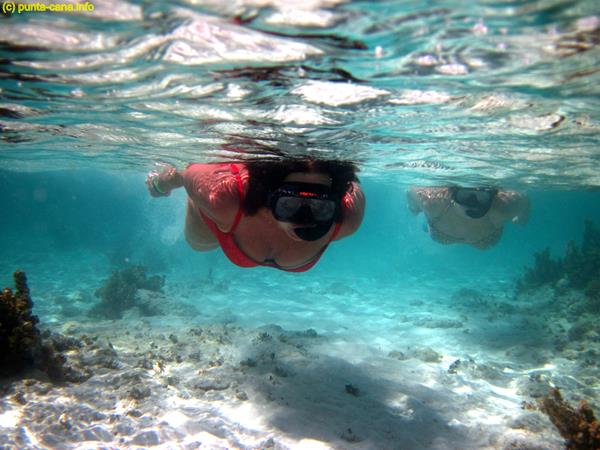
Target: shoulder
(512, 205)
(511, 200)
(433, 193)
(215, 179)
(353, 210)
(508, 197)
(426, 195)
(215, 189)
(431, 200)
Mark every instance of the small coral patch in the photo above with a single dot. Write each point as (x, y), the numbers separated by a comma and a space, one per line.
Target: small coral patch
(578, 426)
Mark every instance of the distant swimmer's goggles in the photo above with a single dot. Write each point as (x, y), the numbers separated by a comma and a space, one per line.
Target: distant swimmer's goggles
(304, 203)
(476, 201)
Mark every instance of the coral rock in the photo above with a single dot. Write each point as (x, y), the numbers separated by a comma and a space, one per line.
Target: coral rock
(19, 337)
(119, 292)
(22, 346)
(578, 426)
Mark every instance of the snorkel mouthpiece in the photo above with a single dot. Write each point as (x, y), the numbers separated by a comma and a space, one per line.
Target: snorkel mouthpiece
(313, 233)
(475, 201)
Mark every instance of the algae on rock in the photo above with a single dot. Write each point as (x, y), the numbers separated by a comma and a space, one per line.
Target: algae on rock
(19, 337)
(119, 292)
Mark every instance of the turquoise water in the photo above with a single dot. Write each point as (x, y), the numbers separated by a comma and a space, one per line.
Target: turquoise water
(504, 93)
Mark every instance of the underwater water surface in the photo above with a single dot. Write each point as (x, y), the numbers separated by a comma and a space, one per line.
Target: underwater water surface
(393, 340)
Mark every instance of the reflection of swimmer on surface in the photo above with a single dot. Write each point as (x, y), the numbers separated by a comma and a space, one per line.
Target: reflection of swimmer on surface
(280, 214)
(473, 216)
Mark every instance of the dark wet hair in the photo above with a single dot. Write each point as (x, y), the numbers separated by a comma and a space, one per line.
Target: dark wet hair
(267, 176)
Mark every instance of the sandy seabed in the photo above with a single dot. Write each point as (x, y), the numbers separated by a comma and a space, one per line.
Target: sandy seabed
(465, 375)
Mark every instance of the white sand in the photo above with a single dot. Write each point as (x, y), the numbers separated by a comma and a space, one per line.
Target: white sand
(370, 373)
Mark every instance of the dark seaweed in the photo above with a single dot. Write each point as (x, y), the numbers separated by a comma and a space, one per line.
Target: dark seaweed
(118, 293)
(578, 269)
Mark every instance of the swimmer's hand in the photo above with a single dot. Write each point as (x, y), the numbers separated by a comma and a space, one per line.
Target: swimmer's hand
(163, 180)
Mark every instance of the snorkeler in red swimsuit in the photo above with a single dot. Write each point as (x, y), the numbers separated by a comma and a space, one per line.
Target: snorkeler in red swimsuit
(278, 214)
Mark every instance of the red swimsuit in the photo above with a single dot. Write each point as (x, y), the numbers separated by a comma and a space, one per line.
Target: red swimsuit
(235, 254)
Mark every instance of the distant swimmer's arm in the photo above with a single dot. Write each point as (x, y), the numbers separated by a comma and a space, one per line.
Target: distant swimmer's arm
(514, 206)
(161, 182)
(523, 208)
(413, 199)
(354, 210)
(433, 201)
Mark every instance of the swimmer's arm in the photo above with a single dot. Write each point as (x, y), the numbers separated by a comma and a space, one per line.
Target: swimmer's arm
(432, 201)
(514, 206)
(160, 184)
(413, 199)
(354, 210)
(213, 189)
(523, 208)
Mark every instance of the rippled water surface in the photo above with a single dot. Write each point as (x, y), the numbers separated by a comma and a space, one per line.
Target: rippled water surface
(432, 92)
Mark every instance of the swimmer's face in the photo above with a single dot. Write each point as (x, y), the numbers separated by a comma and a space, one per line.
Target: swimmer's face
(473, 203)
(308, 231)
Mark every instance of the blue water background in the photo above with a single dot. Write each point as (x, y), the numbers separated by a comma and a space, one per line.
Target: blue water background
(70, 230)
